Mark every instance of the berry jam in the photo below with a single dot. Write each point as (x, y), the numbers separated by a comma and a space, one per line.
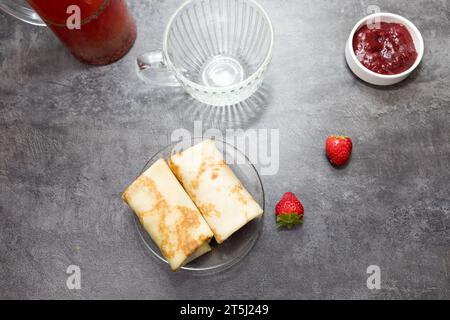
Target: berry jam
(388, 49)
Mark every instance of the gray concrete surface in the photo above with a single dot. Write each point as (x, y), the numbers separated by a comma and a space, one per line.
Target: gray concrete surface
(72, 137)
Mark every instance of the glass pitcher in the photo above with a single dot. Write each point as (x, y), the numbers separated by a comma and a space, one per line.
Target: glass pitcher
(97, 32)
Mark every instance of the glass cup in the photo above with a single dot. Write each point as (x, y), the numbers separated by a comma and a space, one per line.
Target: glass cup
(217, 50)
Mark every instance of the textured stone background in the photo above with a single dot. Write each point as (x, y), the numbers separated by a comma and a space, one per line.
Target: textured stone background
(72, 137)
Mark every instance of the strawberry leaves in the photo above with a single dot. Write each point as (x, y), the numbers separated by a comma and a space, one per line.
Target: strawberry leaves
(289, 220)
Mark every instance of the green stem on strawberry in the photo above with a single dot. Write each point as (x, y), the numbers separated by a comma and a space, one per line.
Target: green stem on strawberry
(288, 220)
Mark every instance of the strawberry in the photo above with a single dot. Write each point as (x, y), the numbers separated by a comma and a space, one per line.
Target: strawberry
(338, 149)
(289, 211)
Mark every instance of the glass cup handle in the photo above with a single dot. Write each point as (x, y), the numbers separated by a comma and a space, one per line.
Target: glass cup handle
(152, 68)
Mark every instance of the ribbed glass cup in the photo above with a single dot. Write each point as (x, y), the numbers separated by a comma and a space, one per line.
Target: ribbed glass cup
(218, 50)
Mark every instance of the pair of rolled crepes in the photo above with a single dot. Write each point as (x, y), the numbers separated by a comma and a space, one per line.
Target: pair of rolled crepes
(182, 204)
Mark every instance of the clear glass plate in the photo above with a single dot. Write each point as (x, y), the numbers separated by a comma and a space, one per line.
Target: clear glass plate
(240, 243)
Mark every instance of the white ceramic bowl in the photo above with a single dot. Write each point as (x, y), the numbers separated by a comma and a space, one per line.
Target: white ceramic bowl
(375, 78)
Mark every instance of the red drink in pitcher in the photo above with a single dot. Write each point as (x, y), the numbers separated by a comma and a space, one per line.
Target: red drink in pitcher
(106, 29)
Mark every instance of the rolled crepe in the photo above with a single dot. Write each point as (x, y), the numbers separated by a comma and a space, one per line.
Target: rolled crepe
(168, 215)
(216, 191)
